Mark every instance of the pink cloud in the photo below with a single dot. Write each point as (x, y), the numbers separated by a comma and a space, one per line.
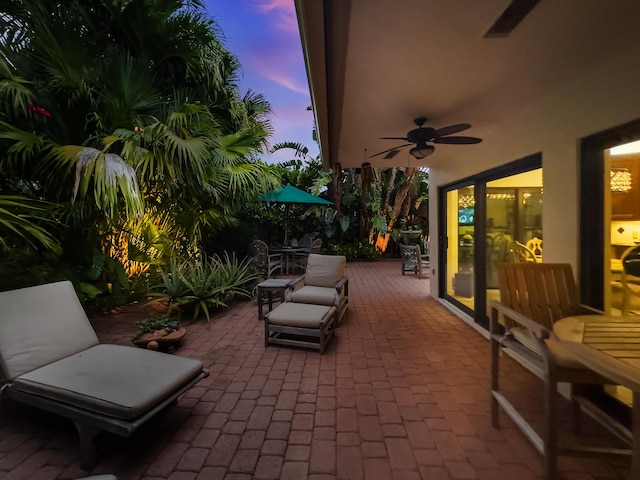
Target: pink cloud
(281, 63)
(267, 5)
(285, 13)
(287, 81)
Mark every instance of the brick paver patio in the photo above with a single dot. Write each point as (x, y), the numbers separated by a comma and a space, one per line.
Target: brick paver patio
(401, 393)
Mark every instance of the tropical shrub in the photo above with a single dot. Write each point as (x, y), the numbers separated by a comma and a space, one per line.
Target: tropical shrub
(356, 250)
(197, 286)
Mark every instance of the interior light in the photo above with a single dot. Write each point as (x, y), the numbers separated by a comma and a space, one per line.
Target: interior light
(626, 149)
(501, 196)
(466, 201)
(620, 180)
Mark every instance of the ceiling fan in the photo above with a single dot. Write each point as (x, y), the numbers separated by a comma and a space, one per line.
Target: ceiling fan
(421, 135)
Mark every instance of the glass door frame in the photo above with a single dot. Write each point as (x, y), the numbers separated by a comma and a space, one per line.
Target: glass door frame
(592, 203)
(479, 184)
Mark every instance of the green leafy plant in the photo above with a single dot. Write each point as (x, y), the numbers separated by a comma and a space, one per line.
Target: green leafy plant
(209, 282)
(167, 321)
(358, 249)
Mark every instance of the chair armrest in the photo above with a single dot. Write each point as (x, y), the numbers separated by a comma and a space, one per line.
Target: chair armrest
(295, 281)
(540, 331)
(344, 282)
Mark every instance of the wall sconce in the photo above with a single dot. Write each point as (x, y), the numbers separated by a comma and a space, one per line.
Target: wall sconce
(620, 180)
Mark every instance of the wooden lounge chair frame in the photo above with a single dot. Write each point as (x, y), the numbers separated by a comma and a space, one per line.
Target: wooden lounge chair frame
(89, 424)
(532, 297)
(302, 326)
(17, 312)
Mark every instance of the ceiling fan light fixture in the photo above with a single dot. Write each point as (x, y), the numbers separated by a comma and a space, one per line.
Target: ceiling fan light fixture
(418, 138)
(422, 151)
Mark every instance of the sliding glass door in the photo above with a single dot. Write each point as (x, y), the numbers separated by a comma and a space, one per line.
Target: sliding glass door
(482, 218)
(460, 263)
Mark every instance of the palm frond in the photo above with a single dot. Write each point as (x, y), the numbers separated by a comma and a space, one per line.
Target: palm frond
(23, 144)
(15, 91)
(103, 177)
(300, 151)
(24, 217)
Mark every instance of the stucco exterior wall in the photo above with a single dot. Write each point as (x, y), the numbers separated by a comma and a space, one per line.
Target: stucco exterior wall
(607, 97)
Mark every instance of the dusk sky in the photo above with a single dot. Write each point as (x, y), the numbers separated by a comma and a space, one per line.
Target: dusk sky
(264, 35)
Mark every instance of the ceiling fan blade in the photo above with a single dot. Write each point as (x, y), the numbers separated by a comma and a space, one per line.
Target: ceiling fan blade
(394, 138)
(450, 130)
(457, 140)
(391, 154)
(388, 150)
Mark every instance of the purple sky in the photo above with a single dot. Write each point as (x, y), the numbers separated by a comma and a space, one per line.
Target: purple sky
(264, 35)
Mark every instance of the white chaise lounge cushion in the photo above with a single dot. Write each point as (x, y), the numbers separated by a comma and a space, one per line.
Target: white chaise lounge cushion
(40, 325)
(116, 380)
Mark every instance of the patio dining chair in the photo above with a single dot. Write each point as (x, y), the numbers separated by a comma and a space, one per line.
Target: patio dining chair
(51, 359)
(264, 262)
(533, 296)
(300, 258)
(413, 261)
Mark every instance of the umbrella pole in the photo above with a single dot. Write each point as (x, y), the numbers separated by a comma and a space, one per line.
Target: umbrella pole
(286, 226)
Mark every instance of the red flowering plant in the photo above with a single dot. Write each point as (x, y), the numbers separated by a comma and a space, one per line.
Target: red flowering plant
(38, 110)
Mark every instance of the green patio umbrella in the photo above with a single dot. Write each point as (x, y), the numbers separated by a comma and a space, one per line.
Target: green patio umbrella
(290, 194)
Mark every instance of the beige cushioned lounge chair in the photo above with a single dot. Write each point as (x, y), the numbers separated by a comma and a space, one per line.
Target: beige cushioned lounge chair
(50, 358)
(324, 283)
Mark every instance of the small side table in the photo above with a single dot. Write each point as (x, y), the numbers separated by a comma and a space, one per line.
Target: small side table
(271, 290)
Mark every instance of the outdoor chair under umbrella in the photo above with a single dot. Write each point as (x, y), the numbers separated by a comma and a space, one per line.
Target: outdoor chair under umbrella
(292, 195)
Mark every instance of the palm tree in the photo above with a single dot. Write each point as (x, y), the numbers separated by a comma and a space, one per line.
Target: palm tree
(119, 108)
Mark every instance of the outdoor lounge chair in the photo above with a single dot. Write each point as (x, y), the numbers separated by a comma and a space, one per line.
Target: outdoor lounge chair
(324, 283)
(50, 358)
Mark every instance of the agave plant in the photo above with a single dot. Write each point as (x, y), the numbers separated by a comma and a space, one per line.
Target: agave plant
(199, 285)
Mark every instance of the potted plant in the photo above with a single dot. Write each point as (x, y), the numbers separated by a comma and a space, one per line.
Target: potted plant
(411, 235)
(161, 332)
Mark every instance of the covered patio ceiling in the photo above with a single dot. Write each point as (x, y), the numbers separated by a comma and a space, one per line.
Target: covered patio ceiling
(375, 65)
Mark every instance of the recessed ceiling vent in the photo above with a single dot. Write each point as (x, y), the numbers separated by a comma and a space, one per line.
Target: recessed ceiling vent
(511, 18)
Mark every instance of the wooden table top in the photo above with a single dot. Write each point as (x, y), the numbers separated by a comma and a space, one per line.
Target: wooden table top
(608, 344)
